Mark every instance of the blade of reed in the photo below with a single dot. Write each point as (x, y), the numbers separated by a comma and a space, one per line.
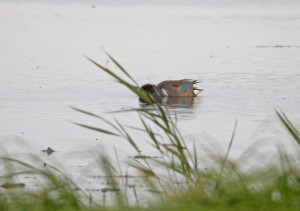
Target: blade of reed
(227, 153)
(96, 129)
(143, 95)
(96, 116)
(289, 126)
(121, 68)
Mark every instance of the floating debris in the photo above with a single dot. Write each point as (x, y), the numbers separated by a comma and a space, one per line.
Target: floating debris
(104, 190)
(135, 186)
(155, 191)
(145, 157)
(27, 177)
(12, 185)
(49, 150)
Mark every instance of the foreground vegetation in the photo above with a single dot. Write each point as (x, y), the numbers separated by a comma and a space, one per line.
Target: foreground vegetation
(183, 186)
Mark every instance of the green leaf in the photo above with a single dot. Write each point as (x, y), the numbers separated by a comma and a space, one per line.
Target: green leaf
(96, 129)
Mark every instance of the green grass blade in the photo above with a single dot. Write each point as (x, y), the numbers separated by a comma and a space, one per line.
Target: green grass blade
(96, 129)
(227, 153)
(121, 68)
(289, 126)
(135, 89)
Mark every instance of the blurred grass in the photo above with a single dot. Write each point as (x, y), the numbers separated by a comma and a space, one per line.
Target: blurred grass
(184, 186)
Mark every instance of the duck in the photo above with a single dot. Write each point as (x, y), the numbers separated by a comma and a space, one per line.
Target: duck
(173, 88)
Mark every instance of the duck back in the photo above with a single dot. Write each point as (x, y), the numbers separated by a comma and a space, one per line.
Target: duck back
(179, 88)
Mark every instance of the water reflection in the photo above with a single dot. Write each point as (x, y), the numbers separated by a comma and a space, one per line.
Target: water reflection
(179, 102)
(174, 102)
(182, 107)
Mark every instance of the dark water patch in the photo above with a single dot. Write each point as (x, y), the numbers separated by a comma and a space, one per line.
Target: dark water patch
(155, 191)
(12, 185)
(145, 157)
(103, 190)
(134, 186)
(49, 151)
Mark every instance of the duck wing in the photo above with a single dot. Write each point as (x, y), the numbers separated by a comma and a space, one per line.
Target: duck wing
(179, 88)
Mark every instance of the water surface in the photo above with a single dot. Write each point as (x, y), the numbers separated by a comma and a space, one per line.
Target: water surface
(246, 56)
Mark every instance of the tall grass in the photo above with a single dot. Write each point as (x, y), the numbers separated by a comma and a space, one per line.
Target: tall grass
(57, 191)
(182, 186)
(227, 185)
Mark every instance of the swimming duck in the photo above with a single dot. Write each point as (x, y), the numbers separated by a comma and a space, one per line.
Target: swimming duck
(173, 88)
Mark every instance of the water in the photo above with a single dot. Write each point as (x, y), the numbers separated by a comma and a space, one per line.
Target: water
(246, 56)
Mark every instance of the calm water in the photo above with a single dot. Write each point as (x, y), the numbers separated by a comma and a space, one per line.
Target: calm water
(246, 55)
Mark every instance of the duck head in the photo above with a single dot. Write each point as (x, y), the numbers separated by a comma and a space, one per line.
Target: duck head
(148, 88)
(152, 91)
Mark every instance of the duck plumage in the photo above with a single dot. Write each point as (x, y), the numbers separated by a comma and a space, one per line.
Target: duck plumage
(174, 88)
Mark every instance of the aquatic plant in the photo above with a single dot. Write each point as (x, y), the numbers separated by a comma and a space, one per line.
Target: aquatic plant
(225, 184)
(183, 185)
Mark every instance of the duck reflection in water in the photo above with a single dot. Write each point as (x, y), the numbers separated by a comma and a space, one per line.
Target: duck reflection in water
(178, 93)
(179, 101)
